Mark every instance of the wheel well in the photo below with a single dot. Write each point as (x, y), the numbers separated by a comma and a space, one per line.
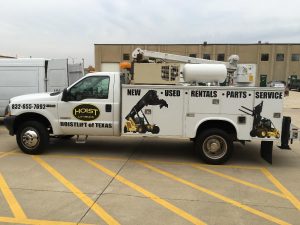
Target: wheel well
(220, 124)
(32, 116)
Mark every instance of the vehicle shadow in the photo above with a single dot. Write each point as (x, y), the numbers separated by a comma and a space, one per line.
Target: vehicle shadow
(161, 149)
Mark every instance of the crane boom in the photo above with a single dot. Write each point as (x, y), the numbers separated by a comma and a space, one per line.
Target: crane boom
(139, 55)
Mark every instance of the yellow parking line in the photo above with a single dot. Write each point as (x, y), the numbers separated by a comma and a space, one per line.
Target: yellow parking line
(216, 195)
(285, 191)
(205, 165)
(84, 198)
(246, 183)
(36, 222)
(73, 156)
(11, 200)
(150, 161)
(201, 164)
(4, 154)
(146, 193)
(234, 167)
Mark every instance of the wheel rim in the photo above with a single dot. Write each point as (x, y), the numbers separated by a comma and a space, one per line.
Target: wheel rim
(30, 138)
(214, 147)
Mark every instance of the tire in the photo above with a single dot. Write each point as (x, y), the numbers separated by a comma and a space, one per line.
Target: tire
(219, 142)
(125, 129)
(141, 129)
(263, 133)
(32, 137)
(155, 129)
(252, 133)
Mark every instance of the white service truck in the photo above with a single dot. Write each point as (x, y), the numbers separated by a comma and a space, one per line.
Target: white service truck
(33, 75)
(100, 105)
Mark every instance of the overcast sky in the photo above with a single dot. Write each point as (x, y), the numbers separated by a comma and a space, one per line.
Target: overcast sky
(70, 28)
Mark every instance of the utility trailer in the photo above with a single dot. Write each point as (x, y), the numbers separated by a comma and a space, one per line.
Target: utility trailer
(102, 104)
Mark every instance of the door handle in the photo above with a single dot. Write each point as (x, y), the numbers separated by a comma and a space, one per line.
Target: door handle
(108, 108)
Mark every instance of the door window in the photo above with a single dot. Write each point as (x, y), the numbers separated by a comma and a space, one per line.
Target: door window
(95, 87)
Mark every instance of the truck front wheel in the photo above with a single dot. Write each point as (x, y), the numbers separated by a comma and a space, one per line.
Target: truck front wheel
(32, 137)
(214, 146)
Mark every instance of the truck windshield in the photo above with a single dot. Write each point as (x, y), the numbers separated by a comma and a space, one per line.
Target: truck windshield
(94, 87)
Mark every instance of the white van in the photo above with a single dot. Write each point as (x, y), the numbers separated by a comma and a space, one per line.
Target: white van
(32, 75)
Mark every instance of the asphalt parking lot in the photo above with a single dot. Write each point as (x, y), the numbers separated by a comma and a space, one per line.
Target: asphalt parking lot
(148, 181)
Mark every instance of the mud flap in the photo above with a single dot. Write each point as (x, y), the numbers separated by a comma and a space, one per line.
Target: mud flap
(285, 133)
(266, 150)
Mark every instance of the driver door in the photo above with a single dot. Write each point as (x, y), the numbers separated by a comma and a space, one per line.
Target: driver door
(88, 110)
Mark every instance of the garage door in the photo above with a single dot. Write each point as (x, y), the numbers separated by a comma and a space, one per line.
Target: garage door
(110, 67)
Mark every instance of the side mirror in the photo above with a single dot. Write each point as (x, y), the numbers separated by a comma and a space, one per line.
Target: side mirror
(65, 95)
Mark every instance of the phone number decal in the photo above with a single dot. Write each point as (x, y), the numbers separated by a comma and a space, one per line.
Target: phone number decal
(28, 106)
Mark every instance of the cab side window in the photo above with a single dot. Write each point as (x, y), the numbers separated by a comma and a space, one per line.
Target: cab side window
(91, 87)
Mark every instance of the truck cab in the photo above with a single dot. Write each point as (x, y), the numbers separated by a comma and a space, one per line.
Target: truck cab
(95, 97)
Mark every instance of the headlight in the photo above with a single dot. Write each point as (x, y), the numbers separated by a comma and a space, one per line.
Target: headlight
(7, 111)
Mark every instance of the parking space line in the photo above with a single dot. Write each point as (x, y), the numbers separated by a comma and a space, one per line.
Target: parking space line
(37, 222)
(73, 156)
(216, 195)
(4, 154)
(84, 198)
(11, 200)
(204, 165)
(146, 193)
(246, 183)
(285, 191)
(150, 161)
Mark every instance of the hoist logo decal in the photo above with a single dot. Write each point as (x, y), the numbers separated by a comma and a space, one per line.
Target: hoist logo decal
(86, 112)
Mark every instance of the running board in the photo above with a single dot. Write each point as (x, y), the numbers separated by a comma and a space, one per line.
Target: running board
(81, 140)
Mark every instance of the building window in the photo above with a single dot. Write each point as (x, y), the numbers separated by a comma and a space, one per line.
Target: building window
(193, 55)
(221, 57)
(264, 57)
(279, 57)
(126, 56)
(206, 56)
(295, 57)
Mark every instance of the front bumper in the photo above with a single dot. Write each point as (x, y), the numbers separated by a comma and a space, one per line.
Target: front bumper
(9, 122)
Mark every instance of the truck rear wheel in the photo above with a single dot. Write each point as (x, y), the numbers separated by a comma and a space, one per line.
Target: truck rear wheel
(214, 146)
(32, 137)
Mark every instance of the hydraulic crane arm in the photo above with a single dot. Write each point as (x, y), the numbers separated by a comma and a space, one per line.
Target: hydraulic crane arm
(140, 55)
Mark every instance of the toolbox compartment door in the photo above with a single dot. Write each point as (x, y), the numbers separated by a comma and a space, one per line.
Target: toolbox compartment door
(152, 111)
(271, 102)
